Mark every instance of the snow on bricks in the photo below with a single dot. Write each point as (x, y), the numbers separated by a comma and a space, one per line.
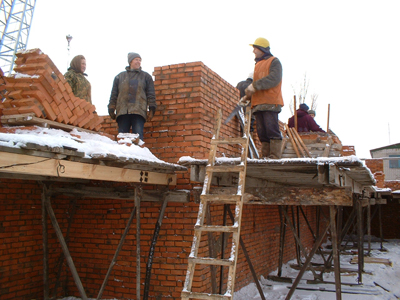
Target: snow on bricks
(40, 89)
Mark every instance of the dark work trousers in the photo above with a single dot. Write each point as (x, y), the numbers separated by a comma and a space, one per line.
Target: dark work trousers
(267, 126)
(126, 122)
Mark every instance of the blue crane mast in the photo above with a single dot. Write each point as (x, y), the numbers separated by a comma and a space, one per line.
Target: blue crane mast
(15, 24)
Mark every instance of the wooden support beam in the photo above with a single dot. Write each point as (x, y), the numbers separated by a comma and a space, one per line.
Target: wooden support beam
(32, 165)
(292, 196)
(138, 195)
(45, 247)
(114, 260)
(152, 248)
(307, 263)
(181, 196)
(246, 254)
(335, 251)
(65, 248)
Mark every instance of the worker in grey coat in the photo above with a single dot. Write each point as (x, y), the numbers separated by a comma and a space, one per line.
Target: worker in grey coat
(133, 99)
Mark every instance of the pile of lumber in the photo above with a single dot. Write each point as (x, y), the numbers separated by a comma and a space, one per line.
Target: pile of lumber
(311, 144)
(38, 88)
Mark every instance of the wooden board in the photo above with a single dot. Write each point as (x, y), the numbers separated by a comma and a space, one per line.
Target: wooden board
(31, 119)
(41, 166)
(372, 260)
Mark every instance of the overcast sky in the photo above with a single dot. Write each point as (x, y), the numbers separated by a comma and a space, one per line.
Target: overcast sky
(349, 50)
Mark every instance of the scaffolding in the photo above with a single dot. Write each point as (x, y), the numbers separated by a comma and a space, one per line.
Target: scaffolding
(15, 24)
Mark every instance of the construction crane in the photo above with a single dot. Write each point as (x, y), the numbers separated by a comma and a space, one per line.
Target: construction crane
(15, 24)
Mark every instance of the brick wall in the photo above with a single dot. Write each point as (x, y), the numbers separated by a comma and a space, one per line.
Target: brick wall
(189, 96)
(96, 229)
(390, 211)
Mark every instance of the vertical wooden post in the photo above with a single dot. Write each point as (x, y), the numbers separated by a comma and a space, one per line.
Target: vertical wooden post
(152, 247)
(223, 247)
(307, 262)
(65, 249)
(296, 241)
(360, 242)
(61, 259)
(380, 224)
(114, 260)
(45, 246)
(282, 234)
(329, 113)
(369, 226)
(335, 250)
(212, 252)
(246, 254)
(295, 112)
(138, 195)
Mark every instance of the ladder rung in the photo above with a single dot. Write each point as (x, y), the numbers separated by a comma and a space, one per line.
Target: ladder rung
(225, 168)
(239, 140)
(211, 261)
(216, 228)
(228, 199)
(191, 295)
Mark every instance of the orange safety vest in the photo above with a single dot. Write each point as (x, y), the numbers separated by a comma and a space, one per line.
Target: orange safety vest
(270, 96)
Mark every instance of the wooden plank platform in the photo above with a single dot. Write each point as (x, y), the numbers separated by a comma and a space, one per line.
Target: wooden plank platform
(293, 181)
(30, 119)
(13, 163)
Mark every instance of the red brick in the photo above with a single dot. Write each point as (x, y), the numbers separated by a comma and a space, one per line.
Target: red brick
(49, 111)
(31, 109)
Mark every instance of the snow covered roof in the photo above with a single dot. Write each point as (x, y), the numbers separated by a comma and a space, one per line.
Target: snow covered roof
(81, 147)
(305, 172)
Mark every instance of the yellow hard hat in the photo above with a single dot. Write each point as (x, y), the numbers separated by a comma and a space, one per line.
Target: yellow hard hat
(261, 42)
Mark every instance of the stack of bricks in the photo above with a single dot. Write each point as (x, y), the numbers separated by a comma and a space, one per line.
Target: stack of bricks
(38, 87)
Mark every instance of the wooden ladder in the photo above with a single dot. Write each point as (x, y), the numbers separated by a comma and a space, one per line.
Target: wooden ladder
(206, 199)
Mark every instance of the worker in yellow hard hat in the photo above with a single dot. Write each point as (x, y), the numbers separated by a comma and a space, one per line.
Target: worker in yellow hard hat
(266, 99)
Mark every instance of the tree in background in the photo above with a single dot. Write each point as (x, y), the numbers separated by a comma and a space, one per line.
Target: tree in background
(301, 95)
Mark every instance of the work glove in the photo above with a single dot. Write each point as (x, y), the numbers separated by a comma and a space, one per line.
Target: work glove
(111, 112)
(150, 113)
(243, 101)
(250, 90)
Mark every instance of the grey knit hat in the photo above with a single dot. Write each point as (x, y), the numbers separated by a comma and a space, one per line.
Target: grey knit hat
(132, 55)
(311, 112)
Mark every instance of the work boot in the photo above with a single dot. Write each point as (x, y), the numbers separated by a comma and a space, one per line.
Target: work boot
(276, 149)
(265, 149)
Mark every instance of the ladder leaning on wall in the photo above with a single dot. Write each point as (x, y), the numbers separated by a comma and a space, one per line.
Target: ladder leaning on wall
(206, 199)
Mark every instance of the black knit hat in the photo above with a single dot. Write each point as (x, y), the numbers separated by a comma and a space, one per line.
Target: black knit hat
(304, 107)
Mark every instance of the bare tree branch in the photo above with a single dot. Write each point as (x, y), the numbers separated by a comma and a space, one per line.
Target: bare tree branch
(301, 95)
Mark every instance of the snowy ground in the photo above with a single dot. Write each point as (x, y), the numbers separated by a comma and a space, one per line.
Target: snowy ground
(380, 281)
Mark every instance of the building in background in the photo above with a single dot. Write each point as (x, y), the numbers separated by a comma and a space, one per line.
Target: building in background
(391, 160)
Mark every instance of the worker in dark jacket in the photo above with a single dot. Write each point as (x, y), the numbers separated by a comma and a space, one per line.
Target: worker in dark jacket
(75, 76)
(266, 98)
(305, 123)
(133, 99)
